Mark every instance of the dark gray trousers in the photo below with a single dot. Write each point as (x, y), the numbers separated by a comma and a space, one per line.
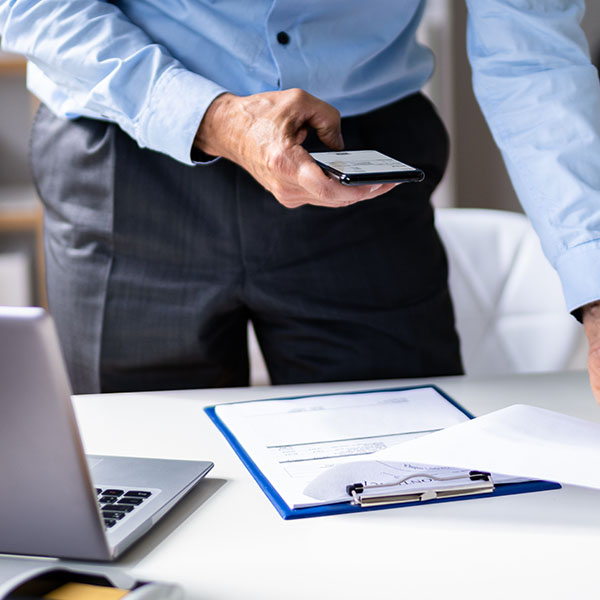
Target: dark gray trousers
(154, 267)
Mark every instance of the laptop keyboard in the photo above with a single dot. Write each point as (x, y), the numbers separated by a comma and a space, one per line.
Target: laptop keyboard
(116, 504)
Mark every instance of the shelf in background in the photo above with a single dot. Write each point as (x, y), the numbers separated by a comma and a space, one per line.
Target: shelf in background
(20, 208)
(12, 64)
(21, 212)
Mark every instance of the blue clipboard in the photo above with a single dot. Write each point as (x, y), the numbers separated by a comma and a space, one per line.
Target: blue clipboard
(501, 489)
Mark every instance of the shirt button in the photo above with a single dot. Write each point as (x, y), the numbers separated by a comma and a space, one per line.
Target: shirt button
(283, 38)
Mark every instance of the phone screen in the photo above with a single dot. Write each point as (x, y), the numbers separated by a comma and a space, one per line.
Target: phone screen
(360, 167)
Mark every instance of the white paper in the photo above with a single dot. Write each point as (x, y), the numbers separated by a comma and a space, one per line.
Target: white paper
(519, 440)
(293, 441)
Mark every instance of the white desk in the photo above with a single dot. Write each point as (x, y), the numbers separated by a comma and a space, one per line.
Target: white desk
(226, 540)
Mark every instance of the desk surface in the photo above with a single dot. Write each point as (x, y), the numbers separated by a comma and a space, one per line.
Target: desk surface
(226, 541)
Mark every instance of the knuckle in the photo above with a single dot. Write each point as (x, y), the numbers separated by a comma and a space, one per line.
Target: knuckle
(288, 200)
(275, 160)
(279, 192)
(292, 204)
(297, 96)
(297, 93)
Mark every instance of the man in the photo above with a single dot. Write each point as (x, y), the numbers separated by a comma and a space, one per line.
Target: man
(154, 266)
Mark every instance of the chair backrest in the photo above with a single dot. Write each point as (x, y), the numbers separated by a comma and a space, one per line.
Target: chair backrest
(510, 310)
(259, 375)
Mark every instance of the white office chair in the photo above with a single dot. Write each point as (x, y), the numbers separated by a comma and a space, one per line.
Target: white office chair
(510, 311)
(259, 375)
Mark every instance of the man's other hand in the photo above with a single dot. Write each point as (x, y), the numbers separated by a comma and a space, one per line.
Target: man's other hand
(591, 324)
(263, 134)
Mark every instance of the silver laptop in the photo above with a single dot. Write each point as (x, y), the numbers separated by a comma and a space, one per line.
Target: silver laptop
(55, 501)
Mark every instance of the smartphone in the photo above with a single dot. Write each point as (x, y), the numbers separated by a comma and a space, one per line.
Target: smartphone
(363, 167)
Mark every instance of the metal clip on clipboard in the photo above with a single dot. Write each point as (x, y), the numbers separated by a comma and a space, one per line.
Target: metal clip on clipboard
(478, 482)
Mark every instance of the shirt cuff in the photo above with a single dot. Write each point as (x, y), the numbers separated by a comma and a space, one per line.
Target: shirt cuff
(579, 272)
(174, 112)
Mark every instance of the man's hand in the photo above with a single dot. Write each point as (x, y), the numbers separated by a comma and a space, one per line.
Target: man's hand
(591, 324)
(263, 134)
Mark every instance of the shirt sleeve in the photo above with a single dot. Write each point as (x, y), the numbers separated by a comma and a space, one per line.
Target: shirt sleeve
(540, 95)
(106, 67)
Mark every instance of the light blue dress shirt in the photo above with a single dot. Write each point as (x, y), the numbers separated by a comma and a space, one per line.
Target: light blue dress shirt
(154, 66)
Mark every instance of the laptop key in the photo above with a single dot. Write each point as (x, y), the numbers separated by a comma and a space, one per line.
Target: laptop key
(130, 500)
(138, 494)
(112, 493)
(110, 522)
(113, 514)
(122, 507)
(108, 499)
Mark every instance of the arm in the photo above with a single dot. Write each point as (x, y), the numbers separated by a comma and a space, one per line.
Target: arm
(541, 98)
(109, 68)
